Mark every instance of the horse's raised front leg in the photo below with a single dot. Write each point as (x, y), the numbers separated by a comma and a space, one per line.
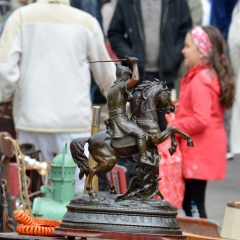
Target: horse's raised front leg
(173, 149)
(183, 135)
(173, 130)
(160, 138)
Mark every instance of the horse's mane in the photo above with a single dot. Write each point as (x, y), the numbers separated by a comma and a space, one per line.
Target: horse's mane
(142, 90)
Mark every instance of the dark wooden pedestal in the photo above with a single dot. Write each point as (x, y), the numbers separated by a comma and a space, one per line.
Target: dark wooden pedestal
(84, 234)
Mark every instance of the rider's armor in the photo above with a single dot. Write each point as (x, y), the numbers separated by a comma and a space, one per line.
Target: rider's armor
(117, 98)
(120, 123)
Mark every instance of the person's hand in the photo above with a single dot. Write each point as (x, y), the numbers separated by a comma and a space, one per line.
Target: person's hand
(131, 60)
(6, 134)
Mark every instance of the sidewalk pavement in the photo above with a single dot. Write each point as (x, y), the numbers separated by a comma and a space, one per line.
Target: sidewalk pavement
(220, 192)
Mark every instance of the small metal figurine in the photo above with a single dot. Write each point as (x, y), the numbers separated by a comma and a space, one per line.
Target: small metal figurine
(126, 137)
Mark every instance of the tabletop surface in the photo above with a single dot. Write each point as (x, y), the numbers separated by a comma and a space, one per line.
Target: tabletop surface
(15, 235)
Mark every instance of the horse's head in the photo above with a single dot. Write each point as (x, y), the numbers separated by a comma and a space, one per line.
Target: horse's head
(148, 95)
(164, 98)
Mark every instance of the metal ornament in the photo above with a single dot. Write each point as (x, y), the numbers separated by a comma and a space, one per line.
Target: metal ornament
(136, 210)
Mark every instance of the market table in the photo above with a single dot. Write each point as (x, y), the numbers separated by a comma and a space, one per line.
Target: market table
(15, 235)
(91, 235)
(94, 235)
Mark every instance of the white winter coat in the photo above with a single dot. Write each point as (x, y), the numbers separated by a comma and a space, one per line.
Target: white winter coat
(44, 51)
(234, 47)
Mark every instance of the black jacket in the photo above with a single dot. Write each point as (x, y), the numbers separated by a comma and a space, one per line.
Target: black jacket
(127, 37)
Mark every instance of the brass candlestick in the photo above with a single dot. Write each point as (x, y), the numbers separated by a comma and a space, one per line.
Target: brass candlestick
(95, 129)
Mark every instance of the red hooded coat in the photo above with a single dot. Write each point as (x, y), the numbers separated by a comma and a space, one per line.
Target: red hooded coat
(200, 114)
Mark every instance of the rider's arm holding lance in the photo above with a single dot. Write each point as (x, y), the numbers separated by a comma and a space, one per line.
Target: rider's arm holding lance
(135, 75)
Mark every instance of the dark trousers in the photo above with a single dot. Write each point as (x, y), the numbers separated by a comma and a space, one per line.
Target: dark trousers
(161, 113)
(194, 198)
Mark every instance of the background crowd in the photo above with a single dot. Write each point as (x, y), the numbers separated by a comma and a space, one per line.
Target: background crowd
(44, 48)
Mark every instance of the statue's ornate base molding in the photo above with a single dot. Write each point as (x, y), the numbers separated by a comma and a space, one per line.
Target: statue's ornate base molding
(134, 215)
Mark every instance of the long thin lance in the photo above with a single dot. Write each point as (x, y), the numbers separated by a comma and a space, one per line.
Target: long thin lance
(110, 60)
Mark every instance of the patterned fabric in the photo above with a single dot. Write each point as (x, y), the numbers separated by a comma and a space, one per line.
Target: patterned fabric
(199, 226)
(171, 185)
(201, 40)
(124, 142)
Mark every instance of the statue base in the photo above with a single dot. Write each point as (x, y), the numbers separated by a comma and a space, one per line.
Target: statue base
(133, 215)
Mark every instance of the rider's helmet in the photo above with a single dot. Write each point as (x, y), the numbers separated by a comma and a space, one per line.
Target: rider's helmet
(122, 72)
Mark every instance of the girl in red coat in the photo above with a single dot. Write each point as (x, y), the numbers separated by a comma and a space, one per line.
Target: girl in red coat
(206, 90)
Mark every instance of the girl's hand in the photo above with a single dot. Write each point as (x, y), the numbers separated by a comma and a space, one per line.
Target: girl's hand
(176, 103)
(169, 117)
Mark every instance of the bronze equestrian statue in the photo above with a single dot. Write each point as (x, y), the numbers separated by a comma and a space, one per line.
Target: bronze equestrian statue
(126, 137)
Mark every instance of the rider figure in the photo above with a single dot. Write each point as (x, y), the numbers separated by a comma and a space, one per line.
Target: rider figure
(117, 98)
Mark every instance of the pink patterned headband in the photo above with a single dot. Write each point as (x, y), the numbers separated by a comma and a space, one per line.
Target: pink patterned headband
(201, 40)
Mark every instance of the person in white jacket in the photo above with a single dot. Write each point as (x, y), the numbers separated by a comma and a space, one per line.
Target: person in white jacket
(44, 50)
(234, 52)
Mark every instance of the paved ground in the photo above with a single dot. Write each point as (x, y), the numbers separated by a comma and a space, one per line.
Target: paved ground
(221, 192)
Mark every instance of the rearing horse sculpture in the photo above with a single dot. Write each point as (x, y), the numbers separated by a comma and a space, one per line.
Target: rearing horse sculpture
(101, 147)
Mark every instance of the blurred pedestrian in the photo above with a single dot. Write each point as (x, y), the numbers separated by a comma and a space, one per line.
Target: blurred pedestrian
(196, 11)
(206, 91)
(234, 52)
(107, 13)
(221, 15)
(19, 3)
(92, 7)
(206, 6)
(44, 51)
(154, 32)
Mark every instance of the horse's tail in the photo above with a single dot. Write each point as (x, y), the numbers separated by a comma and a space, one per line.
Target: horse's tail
(77, 150)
